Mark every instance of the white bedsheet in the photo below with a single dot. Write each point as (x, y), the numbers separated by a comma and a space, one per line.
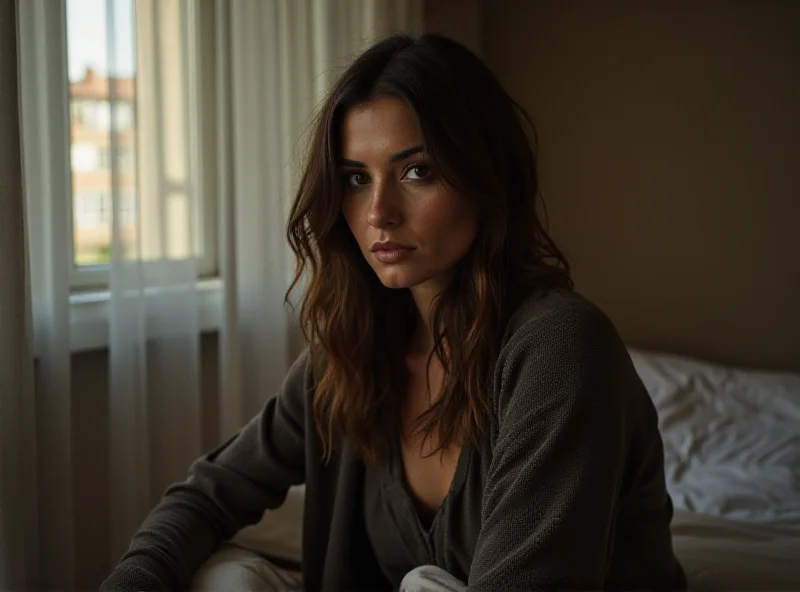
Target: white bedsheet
(721, 554)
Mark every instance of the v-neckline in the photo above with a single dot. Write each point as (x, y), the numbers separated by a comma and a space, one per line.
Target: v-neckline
(397, 477)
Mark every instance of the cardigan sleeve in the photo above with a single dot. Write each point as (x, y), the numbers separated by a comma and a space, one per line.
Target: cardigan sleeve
(559, 451)
(226, 490)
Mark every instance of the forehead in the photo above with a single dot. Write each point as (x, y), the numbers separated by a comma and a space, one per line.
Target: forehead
(383, 126)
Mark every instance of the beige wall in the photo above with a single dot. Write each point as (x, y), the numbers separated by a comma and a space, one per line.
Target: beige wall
(669, 161)
(461, 20)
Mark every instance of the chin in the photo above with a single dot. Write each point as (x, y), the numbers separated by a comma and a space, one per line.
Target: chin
(397, 279)
(395, 283)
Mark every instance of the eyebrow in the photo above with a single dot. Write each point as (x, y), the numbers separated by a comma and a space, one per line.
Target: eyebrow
(394, 158)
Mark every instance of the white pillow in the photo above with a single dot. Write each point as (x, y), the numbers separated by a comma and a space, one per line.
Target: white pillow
(731, 436)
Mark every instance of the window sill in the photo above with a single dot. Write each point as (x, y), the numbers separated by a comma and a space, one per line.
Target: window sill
(89, 315)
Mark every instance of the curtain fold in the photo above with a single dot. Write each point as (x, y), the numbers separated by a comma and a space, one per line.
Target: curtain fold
(275, 61)
(43, 93)
(154, 334)
(18, 536)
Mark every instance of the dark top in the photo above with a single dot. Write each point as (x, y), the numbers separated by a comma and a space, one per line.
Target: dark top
(565, 490)
(401, 539)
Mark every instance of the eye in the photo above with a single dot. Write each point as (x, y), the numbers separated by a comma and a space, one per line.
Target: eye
(417, 172)
(355, 179)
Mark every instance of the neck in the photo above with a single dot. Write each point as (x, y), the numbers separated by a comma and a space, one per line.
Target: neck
(424, 296)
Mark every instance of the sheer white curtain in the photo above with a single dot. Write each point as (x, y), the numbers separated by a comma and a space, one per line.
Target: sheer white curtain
(18, 553)
(152, 323)
(43, 84)
(154, 407)
(275, 60)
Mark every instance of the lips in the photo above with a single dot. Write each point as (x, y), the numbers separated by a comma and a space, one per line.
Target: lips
(390, 251)
(389, 246)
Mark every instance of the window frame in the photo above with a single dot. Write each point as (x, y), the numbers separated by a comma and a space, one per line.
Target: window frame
(45, 116)
(54, 55)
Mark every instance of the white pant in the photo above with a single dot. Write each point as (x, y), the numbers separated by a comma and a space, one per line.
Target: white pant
(235, 568)
(429, 578)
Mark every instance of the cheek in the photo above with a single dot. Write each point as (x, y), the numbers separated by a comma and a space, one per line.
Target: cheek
(451, 223)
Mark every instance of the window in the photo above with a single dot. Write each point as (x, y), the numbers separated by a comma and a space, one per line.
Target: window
(105, 137)
(124, 115)
(126, 158)
(127, 209)
(85, 157)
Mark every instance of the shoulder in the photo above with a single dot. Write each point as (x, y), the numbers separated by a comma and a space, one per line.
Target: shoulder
(558, 344)
(557, 319)
(299, 384)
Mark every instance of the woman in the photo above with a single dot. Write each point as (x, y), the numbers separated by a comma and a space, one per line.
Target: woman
(461, 417)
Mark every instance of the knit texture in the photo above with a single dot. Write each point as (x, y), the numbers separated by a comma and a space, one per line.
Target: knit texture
(565, 491)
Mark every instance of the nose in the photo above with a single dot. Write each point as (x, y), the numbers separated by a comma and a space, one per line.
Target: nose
(384, 206)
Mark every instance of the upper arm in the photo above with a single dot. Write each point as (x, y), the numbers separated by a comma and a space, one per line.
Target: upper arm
(553, 484)
(253, 470)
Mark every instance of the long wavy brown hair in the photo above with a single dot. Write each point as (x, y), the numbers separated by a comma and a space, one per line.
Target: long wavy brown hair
(482, 144)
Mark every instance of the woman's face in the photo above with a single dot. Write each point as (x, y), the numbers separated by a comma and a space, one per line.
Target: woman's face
(411, 226)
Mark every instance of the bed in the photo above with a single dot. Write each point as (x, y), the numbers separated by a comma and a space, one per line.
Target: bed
(732, 452)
